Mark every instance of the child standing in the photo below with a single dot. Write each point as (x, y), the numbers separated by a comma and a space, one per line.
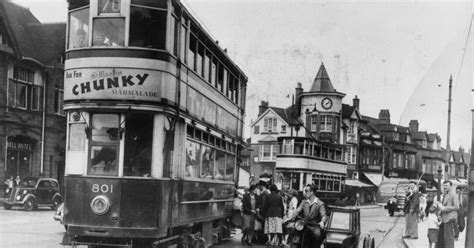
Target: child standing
(433, 225)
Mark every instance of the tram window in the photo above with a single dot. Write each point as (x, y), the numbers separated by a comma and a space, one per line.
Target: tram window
(229, 167)
(214, 72)
(192, 52)
(103, 160)
(193, 159)
(105, 127)
(175, 36)
(200, 59)
(220, 165)
(108, 32)
(207, 162)
(147, 28)
(184, 34)
(212, 140)
(138, 145)
(205, 137)
(207, 66)
(78, 28)
(151, 3)
(220, 78)
(197, 134)
(77, 137)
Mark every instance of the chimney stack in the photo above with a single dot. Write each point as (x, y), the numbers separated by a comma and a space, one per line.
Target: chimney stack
(384, 116)
(298, 89)
(355, 102)
(263, 106)
(413, 126)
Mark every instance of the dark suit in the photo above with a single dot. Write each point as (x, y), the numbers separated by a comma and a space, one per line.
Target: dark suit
(412, 208)
(246, 207)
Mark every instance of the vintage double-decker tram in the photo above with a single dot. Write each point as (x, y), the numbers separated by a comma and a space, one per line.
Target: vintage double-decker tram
(155, 115)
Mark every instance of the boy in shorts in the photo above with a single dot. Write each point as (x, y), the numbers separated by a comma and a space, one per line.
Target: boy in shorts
(433, 221)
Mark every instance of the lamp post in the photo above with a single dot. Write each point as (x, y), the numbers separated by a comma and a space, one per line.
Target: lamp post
(440, 169)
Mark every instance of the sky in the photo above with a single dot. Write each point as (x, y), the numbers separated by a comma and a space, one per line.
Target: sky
(396, 55)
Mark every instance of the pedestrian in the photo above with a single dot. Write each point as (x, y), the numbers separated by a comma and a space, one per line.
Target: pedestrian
(313, 212)
(237, 208)
(412, 209)
(357, 201)
(10, 182)
(423, 203)
(448, 211)
(273, 211)
(17, 181)
(292, 205)
(250, 206)
(391, 206)
(433, 221)
(462, 212)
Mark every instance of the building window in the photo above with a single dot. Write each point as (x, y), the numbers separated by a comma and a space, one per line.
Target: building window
(270, 124)
(23, 92)
(325, 124)
(351, 155)
(256, 129)
(314, 123)
(268, 152)
(283, 128)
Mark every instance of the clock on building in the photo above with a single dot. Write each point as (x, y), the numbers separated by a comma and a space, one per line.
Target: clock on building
(326, 103)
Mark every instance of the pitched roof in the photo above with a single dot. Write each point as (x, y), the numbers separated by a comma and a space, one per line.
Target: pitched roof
(419, 135)
(30, 38)
(347, 110)
(322, 83)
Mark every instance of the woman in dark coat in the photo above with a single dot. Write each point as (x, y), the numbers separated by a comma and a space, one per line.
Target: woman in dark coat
(273, 211)
(250, 206)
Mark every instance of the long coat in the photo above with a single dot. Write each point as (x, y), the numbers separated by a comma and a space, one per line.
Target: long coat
(247, 207)
(273, 206)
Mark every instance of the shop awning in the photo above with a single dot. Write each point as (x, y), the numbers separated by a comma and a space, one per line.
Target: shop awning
(356, 183)
(375, 178)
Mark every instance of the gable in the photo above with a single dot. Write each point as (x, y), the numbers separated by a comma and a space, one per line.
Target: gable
(269, 113)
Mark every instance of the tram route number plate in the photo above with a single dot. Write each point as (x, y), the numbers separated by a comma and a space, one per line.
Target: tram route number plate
(104, 188)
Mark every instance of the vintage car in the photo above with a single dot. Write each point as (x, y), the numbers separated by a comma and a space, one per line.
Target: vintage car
(32, 193)
(343, 229)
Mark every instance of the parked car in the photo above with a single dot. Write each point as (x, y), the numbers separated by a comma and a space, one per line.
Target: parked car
(32, 193)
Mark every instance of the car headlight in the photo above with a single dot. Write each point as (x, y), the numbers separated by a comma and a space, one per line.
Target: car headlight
(100, 205)
(24, 192)
(18, 197)
(7, 190)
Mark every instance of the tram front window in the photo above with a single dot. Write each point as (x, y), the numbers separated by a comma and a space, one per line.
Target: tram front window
(108, 32)
(78, 28)
(147, 27)
(104, 145)
(138, 145)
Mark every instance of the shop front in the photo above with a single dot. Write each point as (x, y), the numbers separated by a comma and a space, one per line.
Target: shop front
(19, 156)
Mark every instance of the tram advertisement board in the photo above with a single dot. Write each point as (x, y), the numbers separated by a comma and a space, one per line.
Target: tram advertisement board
(119, 84)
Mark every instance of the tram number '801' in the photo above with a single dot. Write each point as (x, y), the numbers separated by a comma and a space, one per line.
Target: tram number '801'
(104, 188)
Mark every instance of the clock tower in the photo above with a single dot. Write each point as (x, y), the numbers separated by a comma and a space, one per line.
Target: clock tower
(321, 108)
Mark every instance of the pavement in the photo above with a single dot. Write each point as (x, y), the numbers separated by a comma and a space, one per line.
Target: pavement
(422, 240)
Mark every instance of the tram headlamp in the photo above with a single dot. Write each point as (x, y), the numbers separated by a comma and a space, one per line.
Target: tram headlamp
(100, 205)
(18, 197)
(25, 191)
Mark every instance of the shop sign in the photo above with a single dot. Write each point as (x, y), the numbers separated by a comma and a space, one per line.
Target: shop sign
(116, 83)
(22, 146)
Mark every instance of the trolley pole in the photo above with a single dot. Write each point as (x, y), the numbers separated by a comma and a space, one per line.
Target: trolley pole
(470, 212)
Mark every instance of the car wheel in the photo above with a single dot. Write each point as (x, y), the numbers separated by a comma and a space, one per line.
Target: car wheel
(56, 203)
(29, 205)
(7, 206)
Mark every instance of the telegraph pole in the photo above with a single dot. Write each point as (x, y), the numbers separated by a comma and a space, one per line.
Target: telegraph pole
(448, 136)
(470, 212)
